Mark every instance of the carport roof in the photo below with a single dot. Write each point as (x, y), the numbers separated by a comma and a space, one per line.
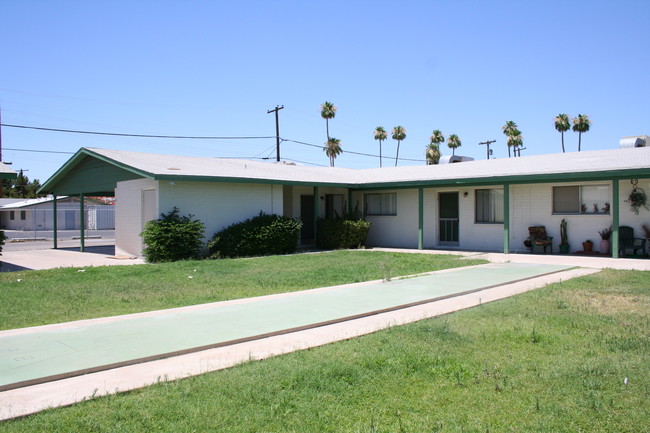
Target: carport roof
(96, 171)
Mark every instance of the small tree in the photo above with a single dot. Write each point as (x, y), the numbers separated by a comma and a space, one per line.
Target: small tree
(327, 112)
(333, 149)
(172, 237)
(562, 124)
(432, 154)
(453, 143)
(509, 129)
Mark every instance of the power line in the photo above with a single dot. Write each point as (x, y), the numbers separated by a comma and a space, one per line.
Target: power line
(73, 131)
(348, 151)
(38, 151)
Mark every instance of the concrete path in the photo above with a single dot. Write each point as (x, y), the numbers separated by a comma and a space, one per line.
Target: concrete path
(370, 302)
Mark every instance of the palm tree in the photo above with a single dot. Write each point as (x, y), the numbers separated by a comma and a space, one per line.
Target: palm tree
(381, 135)
(333, 149)
(508, 130)
(453, 142)
(562, 124)
(399, 134)
(437, 137)
(432, 153)
(581, 124)
(515, 140)
(327, 112)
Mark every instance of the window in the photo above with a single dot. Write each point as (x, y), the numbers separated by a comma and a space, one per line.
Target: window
(489, 205)
(333, 205)
(581, 199)
(23, 215)
(12, 216)
(380, 204)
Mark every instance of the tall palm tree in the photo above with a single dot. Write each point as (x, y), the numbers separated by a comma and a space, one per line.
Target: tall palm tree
(432, 153)
(453, 142)
(381, 135)
(437, 137)
(327, 112)
(515, 140)
(508, 130)
(581, 124)
(562, 124)
(399, 134)
(333, 149)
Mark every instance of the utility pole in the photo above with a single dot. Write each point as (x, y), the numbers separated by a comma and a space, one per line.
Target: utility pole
(487, 143)
(277, 131)
(518, 150)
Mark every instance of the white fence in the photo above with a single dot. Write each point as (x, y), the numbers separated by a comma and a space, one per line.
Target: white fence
(95, 218)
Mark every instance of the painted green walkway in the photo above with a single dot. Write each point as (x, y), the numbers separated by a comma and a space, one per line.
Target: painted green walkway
(41, 355)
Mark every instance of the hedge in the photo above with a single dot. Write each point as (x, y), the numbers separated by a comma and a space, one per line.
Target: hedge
(337, 233)
(172, 237)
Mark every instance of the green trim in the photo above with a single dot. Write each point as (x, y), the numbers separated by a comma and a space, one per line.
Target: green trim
(615, 217)
(55, 228)
(420, 218)
(316, 200)
(506, 218)
(261, 181)
(82, 223)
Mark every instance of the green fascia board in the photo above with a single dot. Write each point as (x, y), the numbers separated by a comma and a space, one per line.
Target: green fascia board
(59, 183)
(188, 178)
(5, 175)
(519, 179)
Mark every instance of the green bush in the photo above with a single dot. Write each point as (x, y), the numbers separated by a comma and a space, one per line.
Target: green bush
(337, 233)
(3, 238)
(172, 237)
(262, 235)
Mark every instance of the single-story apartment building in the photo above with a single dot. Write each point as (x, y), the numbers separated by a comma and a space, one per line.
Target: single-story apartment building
(38, 214)
(476, 205)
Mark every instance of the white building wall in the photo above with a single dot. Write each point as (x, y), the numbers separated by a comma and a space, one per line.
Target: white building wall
(399, 230)
(219, 205)
(129, 215)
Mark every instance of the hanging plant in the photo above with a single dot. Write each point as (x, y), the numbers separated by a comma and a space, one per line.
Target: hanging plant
(637, 198)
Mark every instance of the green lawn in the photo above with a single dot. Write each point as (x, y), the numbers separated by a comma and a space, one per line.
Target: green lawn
(40, 297)
(551, 360)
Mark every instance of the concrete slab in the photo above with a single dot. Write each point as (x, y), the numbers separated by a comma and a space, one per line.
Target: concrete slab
(62, 258)
(27, 400)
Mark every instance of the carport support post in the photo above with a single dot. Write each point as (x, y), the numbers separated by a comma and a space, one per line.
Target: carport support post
(615, 209)
(82, 223)
(54, 221)
(506, 218)
(316, 200)
(420, 218)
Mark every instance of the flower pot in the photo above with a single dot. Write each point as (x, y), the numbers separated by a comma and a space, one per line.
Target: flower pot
(587, 246)
(564, 248)
(604, 246)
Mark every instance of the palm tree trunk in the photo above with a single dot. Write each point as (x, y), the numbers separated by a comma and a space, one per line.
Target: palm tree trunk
(508, 151)
(379, 153)
(327, 128)
(563, 151)
(397, 154)
(579, 140)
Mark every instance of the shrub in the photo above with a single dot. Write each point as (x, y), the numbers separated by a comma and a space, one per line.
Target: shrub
(3, 238)
(262, 235)
(172, 237)
(336, 233)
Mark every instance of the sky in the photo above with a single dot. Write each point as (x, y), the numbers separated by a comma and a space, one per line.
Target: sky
(215, 68)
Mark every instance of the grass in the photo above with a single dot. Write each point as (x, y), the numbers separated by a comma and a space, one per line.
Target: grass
(551, 360)
(40, 297)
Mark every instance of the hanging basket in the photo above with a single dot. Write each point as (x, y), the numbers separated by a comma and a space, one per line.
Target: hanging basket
(637, 198)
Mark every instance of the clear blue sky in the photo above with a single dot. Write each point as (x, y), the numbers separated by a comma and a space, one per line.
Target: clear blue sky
(215, 67)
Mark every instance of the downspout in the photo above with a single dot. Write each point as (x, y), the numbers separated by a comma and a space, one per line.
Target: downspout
(506, 218)
(420, 218)
(55, 223)
(615, 220)
(82, 223)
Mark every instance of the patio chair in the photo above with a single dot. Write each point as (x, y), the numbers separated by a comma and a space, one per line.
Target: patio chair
(538, 240)
(627, 241)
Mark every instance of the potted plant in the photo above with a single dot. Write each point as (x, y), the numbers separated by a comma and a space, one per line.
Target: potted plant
(564, 243)
(587, 246)
(637, 198)
(604, 242)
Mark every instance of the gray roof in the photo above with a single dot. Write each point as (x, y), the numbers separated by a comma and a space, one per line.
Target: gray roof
(565, 166)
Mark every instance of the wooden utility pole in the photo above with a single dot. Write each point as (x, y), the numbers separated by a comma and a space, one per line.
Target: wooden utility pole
(277, 131)
(487, 143)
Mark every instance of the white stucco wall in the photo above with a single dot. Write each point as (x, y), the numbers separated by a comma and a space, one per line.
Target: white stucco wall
(129, 215)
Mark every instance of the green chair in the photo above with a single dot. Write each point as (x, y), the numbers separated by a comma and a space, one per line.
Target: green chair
(627, 241)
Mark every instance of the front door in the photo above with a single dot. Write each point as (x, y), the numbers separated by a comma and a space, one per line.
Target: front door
(448, 218)
(307, 217)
